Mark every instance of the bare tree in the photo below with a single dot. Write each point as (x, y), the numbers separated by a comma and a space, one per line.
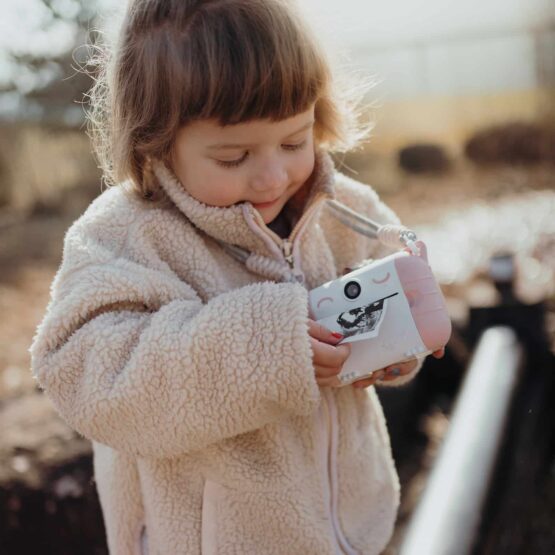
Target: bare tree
(50, 86)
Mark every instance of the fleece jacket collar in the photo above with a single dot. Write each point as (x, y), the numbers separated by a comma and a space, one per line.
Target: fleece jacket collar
(241, 224)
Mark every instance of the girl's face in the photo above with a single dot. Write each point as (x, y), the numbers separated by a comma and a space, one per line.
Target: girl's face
(261, 161)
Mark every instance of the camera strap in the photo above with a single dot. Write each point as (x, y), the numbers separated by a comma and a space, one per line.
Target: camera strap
(396, 236)
(388, 234)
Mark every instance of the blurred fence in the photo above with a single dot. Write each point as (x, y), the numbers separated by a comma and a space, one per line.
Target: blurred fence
(447, 87)
(473, 63)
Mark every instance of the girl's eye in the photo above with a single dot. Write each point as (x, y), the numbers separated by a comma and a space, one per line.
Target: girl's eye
(233, 163)
(239, 161)
(298, 146)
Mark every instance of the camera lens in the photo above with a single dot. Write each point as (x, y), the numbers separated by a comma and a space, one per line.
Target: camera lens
(352, 290)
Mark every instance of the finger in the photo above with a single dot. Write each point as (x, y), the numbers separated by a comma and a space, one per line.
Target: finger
(366, 382)
(396, 373)
(400, 369)
(326, 372)
(388, 378)
(361, 384)
(439, 353)
(408, 367)
(329, 355)
(320, 332)
(374, 377)
(329, 382)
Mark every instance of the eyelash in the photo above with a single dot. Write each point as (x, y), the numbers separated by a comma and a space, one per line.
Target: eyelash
(235, 163)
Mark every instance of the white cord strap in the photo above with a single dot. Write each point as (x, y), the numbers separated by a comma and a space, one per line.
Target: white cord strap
(389, 234)
(395, 236)
(270, 268)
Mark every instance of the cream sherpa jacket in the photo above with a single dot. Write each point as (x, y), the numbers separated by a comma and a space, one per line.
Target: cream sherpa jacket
(192, 374)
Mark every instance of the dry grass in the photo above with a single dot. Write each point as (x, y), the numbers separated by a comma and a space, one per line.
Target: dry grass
(420, 199)
(39, 165)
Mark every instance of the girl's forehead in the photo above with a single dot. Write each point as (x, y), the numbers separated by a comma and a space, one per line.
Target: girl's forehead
(218, 136)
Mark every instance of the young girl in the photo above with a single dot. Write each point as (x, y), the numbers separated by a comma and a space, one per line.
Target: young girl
(209, 394)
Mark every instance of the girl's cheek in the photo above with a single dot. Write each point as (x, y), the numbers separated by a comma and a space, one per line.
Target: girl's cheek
(221, 187)
(304, 166)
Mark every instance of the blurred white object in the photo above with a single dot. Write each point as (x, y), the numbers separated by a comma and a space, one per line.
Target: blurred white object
(463, 242)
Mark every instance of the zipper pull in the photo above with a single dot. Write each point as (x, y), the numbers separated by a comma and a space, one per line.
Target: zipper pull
(287, 248)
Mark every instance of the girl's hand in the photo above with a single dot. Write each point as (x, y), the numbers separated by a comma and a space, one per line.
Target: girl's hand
(326, 357)
(394, 371)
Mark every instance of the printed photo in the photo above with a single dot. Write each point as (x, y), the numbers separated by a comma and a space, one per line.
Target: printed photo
(363, 320)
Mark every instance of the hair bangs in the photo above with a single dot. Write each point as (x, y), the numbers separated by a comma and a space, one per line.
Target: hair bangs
(234, 61)
(250, 67)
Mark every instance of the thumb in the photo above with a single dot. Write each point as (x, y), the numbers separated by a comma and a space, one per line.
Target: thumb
(320, 332)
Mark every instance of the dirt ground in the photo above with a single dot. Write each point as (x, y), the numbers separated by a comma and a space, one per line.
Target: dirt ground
(30, 252)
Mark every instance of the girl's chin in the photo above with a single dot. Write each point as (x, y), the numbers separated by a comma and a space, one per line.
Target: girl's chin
(268, 218)
(269, 212)
(267, 205)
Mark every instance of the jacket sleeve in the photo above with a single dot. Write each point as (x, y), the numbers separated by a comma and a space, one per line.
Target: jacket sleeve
(132, 358)
(353, 249)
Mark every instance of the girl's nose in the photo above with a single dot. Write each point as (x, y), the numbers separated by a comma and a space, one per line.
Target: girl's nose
(270, 177)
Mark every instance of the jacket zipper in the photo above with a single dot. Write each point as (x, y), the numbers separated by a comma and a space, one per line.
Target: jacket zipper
(331, 449)
(287, 251)
(142, 541)
(331, 430)
(287, 247)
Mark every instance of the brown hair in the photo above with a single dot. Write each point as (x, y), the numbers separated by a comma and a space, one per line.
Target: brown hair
(229, 60)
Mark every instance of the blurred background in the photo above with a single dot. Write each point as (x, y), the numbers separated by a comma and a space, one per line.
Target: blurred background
(463, 149)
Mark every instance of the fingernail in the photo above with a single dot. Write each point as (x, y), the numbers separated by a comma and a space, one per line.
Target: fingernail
(337, 335)
(395, 371)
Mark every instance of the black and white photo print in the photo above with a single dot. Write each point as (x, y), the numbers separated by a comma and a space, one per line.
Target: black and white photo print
(363, 320)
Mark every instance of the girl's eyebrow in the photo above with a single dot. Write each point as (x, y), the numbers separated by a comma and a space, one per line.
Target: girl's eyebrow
(220, 146)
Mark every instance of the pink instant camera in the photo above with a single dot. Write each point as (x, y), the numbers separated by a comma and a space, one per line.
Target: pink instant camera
(390, 310)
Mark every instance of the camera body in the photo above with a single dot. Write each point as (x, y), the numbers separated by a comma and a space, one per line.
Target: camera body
(390, 310)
